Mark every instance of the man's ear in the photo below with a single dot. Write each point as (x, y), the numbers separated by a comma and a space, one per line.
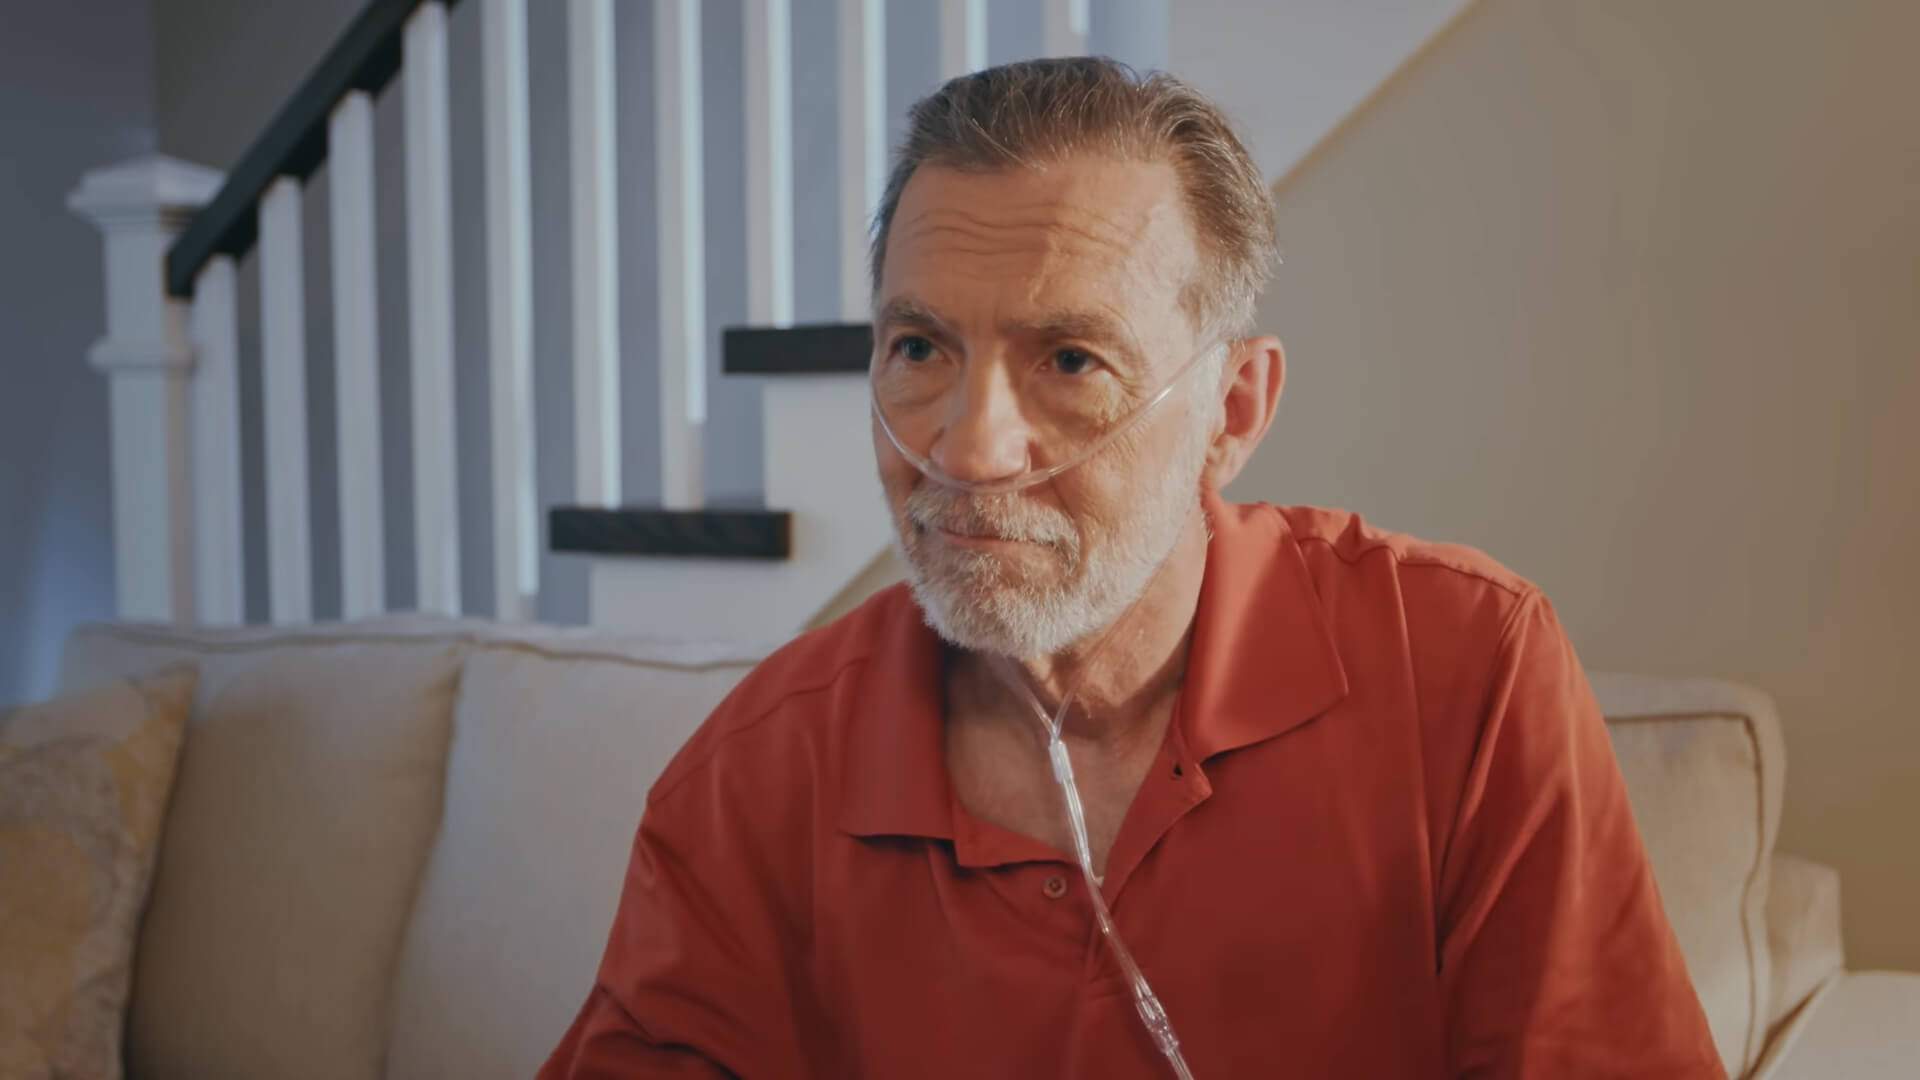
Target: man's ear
(1250, 386)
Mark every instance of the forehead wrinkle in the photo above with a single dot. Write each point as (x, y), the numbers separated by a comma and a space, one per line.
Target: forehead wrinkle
(1044, 228)
(1049, 242)
(1067, 322)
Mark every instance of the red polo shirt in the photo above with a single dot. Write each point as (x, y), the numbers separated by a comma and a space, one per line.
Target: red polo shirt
(1385, 837)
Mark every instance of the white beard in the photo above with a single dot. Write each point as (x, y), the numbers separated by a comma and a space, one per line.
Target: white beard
(995, 603)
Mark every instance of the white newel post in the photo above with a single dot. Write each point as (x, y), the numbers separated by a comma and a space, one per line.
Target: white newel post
(138, 206)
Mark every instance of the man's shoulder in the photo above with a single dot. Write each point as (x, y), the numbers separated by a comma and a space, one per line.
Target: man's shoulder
(1450, 615)
(1330, 539)
(1445, 603)
(781, 712)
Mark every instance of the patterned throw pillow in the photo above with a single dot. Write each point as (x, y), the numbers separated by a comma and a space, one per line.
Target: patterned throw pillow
(83, 790)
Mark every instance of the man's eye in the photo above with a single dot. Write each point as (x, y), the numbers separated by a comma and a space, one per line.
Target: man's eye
(1072, 361)
(913, 347)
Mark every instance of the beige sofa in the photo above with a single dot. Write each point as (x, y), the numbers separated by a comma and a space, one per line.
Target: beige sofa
(394, 848)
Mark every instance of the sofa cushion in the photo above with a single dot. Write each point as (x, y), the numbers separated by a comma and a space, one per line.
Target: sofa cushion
(556, 739)
(1861, 1026)
(1803, 931)
(308, 796)
(1704, 766)
(83, 789)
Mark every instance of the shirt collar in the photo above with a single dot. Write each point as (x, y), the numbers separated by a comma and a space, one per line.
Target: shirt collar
(1263, 660)
(1261, 663)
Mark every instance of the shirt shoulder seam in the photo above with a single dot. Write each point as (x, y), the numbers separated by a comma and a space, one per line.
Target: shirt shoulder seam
(1517, 590)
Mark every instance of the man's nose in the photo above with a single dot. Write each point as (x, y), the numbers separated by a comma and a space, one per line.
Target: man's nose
(984, 437)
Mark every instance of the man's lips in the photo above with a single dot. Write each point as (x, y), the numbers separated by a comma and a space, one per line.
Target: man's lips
(975, 541)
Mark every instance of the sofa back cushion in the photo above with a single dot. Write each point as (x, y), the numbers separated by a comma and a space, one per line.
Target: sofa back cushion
(1704, 766)
(557, 738)
(307, 798)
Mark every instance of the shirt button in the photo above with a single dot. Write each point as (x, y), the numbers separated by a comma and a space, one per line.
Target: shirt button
(1055, 887)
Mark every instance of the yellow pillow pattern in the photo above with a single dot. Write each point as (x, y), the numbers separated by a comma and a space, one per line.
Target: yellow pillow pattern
(83, 791)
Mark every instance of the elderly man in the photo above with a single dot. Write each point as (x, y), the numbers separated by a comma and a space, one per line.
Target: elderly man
(1132, 781)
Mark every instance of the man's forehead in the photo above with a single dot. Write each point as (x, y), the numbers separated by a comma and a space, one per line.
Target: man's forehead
(1106, 200)
(1077, 224)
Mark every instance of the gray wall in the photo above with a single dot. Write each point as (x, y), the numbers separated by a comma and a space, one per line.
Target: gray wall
(1288, 71)
(225, 66)
(76, 91)
(1630, 301)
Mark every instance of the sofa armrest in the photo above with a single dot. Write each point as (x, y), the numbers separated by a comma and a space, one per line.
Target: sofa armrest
(1803, 931)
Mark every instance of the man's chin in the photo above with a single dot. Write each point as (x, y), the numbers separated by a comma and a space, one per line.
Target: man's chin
(983, 615)
(970, 630)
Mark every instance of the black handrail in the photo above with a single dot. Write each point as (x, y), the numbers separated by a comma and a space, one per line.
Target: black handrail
(295, 143)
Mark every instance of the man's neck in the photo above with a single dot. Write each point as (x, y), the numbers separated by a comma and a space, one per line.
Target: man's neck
(1123, 677)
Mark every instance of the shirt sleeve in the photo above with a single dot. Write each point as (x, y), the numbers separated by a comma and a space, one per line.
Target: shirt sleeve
(691, 984)
(1556, 958)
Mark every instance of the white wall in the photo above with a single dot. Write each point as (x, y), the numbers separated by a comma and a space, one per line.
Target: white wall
(1288, 71)
(76, 91)
(1628, 295)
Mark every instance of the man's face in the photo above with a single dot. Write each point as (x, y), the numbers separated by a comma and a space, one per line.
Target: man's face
(1012, 293)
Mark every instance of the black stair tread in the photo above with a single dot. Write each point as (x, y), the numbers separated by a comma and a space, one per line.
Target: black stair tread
(717, 533)
(817, 349)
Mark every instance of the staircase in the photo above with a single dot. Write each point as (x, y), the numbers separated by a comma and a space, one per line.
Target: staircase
(778, 568)
(380, 433)
(181, 368)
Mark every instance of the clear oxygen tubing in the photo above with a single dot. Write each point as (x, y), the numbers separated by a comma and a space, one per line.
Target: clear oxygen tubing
(1145, 1002)
(1126, 423)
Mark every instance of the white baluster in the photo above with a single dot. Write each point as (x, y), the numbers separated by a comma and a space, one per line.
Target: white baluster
(596, 283)
(436, 488)
(769, 108)
(218, 552)
(1066, 23)
(147, 356)
(283, 361)
(679, 161)
(963, 37)
(510, 305)
(356, 347)
(863, 145)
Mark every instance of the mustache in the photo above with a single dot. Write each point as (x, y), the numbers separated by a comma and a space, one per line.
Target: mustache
(1001, 517)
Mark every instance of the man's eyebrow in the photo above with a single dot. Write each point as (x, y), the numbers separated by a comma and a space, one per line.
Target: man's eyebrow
(1094, 327)
(906, 309)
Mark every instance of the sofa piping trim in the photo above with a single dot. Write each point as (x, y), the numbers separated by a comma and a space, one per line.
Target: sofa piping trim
(156, 636)
(1749, 1052)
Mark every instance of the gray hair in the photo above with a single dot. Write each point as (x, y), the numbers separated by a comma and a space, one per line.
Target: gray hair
(1036, 112)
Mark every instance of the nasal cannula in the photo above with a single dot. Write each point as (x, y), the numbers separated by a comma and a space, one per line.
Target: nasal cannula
(1152, 1013)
